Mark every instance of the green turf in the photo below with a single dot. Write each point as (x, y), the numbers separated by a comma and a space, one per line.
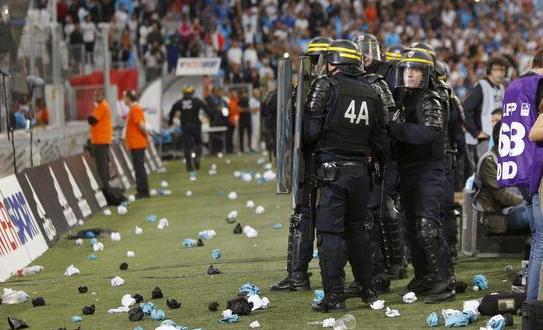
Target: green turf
(181, 273)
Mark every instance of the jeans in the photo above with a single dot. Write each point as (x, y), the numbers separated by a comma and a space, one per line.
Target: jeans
(536, 253)
(519, 217)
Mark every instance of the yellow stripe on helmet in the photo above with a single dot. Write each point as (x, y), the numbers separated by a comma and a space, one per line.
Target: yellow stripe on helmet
(346, 50)
(393, 55)
(417, 60)
(319, 44)
(424, 51)
(354, 57)
(317, 49)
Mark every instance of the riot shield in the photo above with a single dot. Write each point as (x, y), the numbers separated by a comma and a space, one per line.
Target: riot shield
(298, 166)
(284, 126)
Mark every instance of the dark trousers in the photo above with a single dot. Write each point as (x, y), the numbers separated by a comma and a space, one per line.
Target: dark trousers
(450, 230)
(245, 126)
(100, 152)
(192, 141)
(343, 230)
(138, 160)
(230, 139)
(422, 191)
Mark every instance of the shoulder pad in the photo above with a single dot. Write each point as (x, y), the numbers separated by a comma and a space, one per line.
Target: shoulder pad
(430, 95)
(372, 77)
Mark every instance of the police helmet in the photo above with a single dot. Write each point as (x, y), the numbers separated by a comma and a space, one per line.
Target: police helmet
(415, 69)
(188, 90)
(424, 47)
(344, 52)
(317, 46)
(369, 46)
(394, 54)
(442, 70)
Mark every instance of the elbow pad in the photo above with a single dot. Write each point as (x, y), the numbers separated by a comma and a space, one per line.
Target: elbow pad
(430, 111)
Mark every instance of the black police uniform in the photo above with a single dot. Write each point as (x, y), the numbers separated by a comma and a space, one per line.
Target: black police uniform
(345, 126)
(191, 128)
(301, 228)
(385, 69)
(418, 131)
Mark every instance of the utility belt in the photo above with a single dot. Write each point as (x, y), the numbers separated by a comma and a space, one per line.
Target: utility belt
(330, 171)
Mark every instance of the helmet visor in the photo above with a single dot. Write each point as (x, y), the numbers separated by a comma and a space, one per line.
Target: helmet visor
(413, 75)
(371, 50)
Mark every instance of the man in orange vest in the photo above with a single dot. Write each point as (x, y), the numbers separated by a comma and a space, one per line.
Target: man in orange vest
(101, 134)
(136, 142)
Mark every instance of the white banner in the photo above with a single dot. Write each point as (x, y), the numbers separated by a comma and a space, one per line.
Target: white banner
(21, 240)
(198, 66)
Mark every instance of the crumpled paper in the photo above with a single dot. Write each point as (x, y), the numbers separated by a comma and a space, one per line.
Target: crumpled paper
(392, 312)
(249, 289)
(259, 303)
(250, 204)
(480, 281)
(115, 236)
(232, 195)
(232, 216)
(107, 212)
(254, 324)
(378, 305)
(496, 322)
(216, 254)
(260, 209)
(71, 270)
(152, 218)
(432, 320)
(117, 310)
(164, 184)
(138, 231)
(163, 223)
(457, 320)
(188, 193)
(207, 234)
(121, 209)
(189, 242)
(319, 296)
(329, 322)
(79, 242)
(98, 247)
(228, 317)
(76, 318)
(409, 298)
(158, 315)
(11, 296)
(250, 232)
(130, 254)
(127, 300)
(117, 281)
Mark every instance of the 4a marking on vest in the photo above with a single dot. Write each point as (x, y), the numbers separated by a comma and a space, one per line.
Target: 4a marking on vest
(350, 113)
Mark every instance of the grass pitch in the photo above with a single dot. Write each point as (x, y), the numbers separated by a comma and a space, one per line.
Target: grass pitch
(180, 272)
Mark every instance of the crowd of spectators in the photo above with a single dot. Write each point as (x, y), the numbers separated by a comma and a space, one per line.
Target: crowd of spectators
(249, 35)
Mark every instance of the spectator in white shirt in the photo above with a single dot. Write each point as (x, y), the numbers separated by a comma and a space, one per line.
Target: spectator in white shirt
(88, 29)
(254, 106)
(250, 56)
(234, 54)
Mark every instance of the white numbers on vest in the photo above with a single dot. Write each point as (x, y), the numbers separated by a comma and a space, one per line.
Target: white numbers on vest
(187, 104)
(350, 113)
(511, 139)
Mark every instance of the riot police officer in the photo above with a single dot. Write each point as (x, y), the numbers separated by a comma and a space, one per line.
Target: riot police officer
(373, 59)
(191, 126)
(455, 141)
(344, 124)
(418, 130)
(393, 54)
(301, 229)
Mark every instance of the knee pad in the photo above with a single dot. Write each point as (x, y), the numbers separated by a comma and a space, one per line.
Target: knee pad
(427, 229)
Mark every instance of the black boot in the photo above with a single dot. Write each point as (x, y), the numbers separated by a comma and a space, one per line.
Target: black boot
(332, 302)
(420, 287)
(368, 295)
(443, 290)
(396, 271)
(299, 281)
(353, 290)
